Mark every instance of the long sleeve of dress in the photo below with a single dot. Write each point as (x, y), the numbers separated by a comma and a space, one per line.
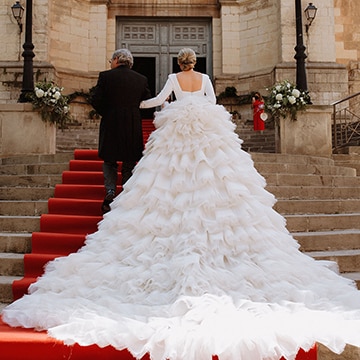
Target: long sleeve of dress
(160, 98)
(209, 90)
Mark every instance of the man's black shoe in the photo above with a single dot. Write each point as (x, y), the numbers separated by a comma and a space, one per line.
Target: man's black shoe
(105, 207)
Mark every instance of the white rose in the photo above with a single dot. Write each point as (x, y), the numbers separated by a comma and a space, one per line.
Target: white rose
(57, 95)
(277, 105)
(39, 92)
(278, 97)
(66, 109)
(278, 87)
(292, 99)
(295, 93)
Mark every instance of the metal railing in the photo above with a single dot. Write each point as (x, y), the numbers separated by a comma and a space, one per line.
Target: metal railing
(346, 122)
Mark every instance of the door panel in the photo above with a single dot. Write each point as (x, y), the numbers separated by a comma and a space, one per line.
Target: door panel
(161, 39)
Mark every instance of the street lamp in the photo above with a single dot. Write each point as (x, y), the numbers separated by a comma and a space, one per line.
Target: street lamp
(28, 54)
(300, 55)
(310, 14)
(18, 12)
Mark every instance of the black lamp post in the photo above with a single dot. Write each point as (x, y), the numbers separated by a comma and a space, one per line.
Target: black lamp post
(28, 54)
(300, 55)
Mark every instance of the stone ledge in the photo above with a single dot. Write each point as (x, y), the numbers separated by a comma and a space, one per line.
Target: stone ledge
(22, 131)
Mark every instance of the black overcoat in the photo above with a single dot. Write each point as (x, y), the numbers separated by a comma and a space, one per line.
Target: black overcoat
(116, 97)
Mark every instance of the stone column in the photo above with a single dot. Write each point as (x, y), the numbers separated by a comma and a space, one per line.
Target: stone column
(22, 131)
(310, 134)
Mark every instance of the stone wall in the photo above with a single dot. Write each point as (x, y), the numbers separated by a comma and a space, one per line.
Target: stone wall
(23, 132)
(347, 31)
(252, 40)
(11, 78)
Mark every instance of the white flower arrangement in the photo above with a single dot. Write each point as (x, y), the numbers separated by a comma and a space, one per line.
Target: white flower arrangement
(53, 106)
(286, 100)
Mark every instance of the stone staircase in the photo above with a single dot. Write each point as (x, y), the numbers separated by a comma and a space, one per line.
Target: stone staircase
(26, 183)
(349, 158)
(85, 136)
(256, 141)
(321, 203)
(319, 197)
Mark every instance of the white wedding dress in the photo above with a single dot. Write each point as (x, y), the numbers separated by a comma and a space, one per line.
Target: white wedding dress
(192, 260)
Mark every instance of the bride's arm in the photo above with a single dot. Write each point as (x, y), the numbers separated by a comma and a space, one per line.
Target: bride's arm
(159, 99)
(209, 91)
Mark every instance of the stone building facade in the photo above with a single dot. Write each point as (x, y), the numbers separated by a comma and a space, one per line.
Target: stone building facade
(248, 44)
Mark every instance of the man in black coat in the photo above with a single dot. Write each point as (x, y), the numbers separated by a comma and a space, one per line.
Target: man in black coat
(117, 98)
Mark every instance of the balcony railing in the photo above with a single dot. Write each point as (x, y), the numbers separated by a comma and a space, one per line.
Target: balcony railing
(346, 122)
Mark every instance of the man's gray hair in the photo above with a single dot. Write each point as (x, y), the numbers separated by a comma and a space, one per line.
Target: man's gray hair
(124, 57)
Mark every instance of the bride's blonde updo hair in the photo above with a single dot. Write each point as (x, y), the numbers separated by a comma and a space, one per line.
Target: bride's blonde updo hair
(186, 59)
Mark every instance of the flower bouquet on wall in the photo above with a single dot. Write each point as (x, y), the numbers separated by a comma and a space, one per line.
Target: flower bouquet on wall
(53, 106)
(285, 100)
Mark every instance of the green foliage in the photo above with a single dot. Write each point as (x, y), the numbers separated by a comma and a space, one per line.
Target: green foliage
(231, 92)
(47, 98)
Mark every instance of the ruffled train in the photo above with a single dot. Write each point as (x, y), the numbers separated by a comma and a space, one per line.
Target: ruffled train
(192, 261)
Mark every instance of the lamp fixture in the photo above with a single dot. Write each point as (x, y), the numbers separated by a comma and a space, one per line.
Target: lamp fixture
(310, 14)
(18, 12)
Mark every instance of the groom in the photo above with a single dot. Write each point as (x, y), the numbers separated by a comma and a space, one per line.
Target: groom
(116, 98)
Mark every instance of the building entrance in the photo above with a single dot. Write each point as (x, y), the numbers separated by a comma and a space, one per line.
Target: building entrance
(155, 43)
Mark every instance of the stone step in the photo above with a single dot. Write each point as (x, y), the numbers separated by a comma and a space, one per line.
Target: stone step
(292, 159)
(322, 222)
(26, 193)
(347, 239)
(279, 179)
(317, 206)
(313, 192)
(6, 296)
(55, 164)
(347, 260)
(34, 169)
(23, 215)
(281, 192)
(22, 224)
(38, 159)
(19, 243)
(352, 150)
(353, 165)
(350, 353)
(337, 206)
(22, 207)
(355, 276)
(11, 264)
(265, 168)
(311, 180)
(30, 180)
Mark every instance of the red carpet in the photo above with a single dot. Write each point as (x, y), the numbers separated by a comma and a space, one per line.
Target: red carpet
(72, 213)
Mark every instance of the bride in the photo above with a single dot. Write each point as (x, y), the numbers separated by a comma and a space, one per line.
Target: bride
(192, 260)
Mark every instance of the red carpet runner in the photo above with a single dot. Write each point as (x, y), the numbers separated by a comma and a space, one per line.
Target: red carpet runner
(73, 212)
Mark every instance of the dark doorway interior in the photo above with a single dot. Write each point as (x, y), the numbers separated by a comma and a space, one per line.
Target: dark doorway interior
(147, 67)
